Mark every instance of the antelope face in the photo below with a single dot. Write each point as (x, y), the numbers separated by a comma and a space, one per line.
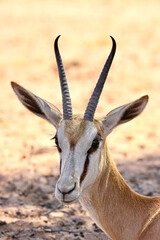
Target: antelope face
(79, 144)
(79, 140)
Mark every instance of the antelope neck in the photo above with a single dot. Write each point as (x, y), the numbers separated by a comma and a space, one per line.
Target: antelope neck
(115, 207)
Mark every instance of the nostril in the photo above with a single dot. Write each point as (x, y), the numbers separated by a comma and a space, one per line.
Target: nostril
(67, 191)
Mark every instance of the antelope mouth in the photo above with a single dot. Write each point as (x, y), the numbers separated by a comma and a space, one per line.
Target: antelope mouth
(68, 202)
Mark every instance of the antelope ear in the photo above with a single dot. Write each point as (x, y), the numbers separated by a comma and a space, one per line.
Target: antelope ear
(37, 105)
(123, 114)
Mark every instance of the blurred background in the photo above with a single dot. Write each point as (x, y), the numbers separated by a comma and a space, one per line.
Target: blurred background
(27, 32)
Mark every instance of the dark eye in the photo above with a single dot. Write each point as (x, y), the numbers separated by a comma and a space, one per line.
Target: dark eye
(95, 143)
(56, 140)
(57, 144)
(94, 146)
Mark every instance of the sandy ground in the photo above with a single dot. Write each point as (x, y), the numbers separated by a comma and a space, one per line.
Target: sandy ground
(29, 161)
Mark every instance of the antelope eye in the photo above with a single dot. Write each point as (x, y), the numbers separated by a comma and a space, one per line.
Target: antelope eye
(57, 144)
(94, 146)
(56, 140)
(95, 142)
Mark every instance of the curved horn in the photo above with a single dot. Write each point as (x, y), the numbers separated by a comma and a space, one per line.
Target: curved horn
(67, 106)
(91, 108)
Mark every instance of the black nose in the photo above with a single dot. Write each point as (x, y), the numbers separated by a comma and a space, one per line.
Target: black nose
(64, 192)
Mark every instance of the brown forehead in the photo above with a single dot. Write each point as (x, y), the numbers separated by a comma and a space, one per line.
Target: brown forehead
(75, 129)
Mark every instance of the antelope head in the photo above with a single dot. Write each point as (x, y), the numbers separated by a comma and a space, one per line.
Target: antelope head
(80, 139)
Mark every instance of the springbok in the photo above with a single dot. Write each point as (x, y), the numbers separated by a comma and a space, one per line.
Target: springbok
(87, 171)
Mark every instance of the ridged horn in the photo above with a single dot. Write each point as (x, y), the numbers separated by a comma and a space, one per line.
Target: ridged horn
(67, 106)
(91, 108)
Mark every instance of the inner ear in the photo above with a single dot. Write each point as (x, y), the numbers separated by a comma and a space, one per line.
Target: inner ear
(37, 105)
(134, 109)
(123, 114)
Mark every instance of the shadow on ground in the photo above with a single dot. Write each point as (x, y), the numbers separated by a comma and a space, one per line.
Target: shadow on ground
(29, 209)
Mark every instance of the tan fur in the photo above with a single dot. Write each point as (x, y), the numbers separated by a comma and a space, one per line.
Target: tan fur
(74, 129)
(151, 227)
(122, 213)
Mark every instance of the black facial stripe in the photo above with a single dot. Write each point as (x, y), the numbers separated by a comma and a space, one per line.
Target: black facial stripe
(93, 148)
(85, 169)
(59, 149)
(60, 164)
